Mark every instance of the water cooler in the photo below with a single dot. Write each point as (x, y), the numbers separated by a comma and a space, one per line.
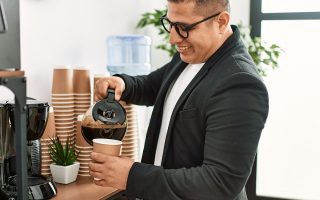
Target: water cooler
(128, 54)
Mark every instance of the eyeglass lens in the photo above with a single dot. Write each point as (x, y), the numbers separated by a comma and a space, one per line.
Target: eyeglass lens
(178, 27)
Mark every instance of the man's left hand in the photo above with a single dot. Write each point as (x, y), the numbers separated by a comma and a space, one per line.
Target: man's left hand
(112, 171)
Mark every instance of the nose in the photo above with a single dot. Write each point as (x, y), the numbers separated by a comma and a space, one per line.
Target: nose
(174, 37)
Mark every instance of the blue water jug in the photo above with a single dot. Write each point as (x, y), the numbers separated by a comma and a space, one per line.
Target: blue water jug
(128, 54)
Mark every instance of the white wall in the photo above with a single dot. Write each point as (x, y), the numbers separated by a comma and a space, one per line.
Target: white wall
(73, 32)
(240, 11)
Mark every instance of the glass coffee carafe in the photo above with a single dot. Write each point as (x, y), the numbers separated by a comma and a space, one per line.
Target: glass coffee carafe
(105, 119)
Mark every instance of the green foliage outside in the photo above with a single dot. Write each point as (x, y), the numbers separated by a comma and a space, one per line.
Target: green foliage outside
(153, 19)
(264, 55)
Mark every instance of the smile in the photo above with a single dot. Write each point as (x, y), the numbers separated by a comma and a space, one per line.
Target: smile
(181, 49)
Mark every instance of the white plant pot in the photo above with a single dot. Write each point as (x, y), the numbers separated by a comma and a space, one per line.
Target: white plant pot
(64, 174)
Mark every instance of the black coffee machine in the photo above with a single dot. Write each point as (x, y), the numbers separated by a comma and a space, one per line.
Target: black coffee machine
(39, 187)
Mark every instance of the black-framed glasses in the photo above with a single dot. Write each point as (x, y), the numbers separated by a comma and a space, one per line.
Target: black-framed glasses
(182, 28)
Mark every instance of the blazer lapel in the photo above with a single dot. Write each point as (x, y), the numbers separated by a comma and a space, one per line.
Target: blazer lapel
(195, 81)
(155, 121)
(177, 69)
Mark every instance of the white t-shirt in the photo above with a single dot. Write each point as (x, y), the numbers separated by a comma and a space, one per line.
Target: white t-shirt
(171, 99)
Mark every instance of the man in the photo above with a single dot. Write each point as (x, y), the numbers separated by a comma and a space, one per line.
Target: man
(210, 107)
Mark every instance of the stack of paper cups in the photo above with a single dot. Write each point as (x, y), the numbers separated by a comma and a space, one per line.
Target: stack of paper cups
(82, 92)
(130, 145)
(84, 149)
(49, 133)
(63, 103)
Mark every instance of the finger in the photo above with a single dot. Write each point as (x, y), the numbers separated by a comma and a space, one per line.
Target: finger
(118, 93)
(97, 175)
(96, 167)
(100, 96)
(126, 158)
(120, 88)
(101, 182)
(97, 96)
(98, 157)
(112, 81)
(116, 84)
(97, 81)
(103, 87)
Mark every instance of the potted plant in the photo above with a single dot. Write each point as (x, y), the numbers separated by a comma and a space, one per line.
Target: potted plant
(64, 168)
(264, 55)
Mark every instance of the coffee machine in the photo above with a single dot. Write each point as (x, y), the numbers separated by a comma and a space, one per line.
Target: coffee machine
(39, 187)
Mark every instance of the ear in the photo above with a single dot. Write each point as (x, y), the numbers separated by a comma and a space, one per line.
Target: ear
(223, 20)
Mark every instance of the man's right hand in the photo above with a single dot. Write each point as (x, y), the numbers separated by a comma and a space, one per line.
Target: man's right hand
(101, 86)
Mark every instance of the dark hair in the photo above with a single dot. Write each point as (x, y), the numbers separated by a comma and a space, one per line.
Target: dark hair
(208, 5)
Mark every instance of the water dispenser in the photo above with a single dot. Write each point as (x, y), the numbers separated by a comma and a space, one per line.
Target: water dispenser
(128, 54)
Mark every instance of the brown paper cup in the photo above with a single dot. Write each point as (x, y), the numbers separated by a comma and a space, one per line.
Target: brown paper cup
(81, 80)
(62, 82)
(107, 147)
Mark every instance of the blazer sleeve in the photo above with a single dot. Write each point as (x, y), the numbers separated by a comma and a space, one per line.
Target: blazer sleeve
(143, 90)
(234, 116)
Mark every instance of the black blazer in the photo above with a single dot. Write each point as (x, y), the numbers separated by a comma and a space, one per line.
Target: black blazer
(214, 129)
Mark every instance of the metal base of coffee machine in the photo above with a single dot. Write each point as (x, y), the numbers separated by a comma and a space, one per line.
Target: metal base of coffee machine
(39, 188)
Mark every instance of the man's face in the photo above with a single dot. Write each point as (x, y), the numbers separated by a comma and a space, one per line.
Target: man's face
(203, 40)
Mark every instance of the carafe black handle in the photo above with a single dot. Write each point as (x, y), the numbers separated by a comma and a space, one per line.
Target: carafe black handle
(110, 95)
(108, 110)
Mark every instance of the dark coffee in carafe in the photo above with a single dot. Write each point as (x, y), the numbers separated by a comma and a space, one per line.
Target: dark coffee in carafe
(92, 129)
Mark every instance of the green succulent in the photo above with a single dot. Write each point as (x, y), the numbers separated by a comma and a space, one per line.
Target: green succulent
(60, 154)
(263, 55)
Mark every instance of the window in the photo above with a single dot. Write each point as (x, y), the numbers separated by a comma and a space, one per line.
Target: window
(276, 6)
(288, 164)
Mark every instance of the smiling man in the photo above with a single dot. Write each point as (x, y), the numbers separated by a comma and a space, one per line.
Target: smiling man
(210, 107)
